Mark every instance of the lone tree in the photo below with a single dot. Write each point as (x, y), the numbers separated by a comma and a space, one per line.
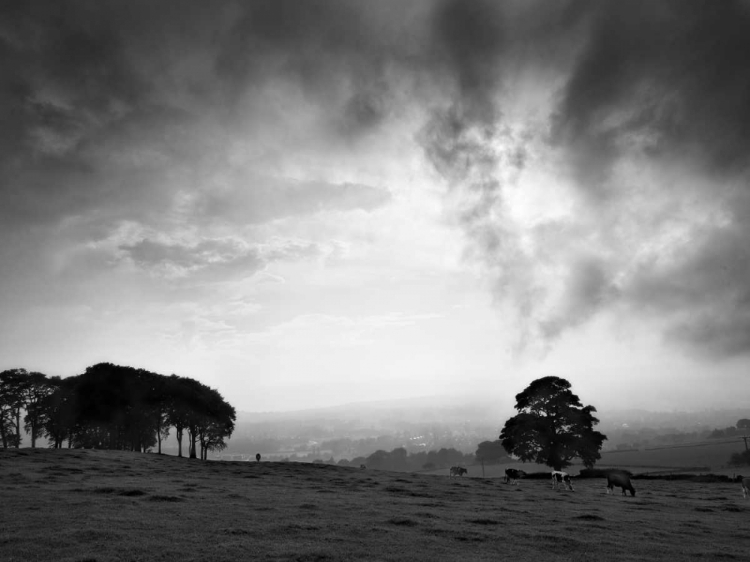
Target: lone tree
(490, 452)
(552, 426)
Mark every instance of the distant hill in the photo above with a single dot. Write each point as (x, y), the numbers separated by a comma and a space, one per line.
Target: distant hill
(425, 409)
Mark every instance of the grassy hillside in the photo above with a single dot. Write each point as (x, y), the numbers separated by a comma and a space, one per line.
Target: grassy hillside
(77, 505)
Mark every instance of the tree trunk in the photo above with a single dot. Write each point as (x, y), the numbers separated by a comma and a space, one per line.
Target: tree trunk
(18, 428)
(192, 438)
(179, 430)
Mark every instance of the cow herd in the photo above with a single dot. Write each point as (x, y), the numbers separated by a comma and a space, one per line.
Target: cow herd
(615, 479)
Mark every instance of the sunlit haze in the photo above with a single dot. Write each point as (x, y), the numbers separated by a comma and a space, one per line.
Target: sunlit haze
(305, 204)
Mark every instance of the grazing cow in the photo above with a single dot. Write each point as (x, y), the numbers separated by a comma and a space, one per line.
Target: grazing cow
(457, 471)
(620, 479)
(513, 475)
(745, 486)
(560, 477)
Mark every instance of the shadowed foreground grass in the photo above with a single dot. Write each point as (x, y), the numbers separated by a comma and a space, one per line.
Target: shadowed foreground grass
(78, 505)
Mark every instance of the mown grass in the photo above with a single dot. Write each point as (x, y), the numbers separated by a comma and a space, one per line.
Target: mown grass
(75, 505)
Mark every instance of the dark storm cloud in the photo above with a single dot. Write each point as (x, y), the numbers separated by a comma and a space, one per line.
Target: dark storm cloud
(705, 291)
(62, 78)
(668, 82)
(674, 72)
(110, 106)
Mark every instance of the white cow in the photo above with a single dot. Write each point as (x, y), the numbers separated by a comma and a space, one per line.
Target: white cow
(745, 487)
(560, 477)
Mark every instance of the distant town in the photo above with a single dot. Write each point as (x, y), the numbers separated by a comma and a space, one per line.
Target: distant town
(350, 434)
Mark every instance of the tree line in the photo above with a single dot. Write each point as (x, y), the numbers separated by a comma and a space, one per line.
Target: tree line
(741, 428)
(400, 460)
(113, 407)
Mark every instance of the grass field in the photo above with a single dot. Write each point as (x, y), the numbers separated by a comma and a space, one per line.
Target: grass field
(86, 506)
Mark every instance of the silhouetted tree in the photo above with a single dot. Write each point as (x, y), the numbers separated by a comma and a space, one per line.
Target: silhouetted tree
(377, 459)
(13, 384)
(8, 403)
(114, 407)
(740, 459)
(552, 426)
(33, 394)
(397, 459)
(216, 422)
(60, 412)
(178, 407)
(490, 452)
(744, 423)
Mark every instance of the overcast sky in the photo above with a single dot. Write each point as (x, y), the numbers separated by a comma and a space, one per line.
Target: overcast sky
(311, 203)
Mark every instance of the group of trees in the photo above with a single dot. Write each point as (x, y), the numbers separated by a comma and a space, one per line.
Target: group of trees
(113, 407)
(741, 428)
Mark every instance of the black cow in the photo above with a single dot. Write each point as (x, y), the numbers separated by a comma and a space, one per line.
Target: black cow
(457, 471)
(620, 479)
(512, 475)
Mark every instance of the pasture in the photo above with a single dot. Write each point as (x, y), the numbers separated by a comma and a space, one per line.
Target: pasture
(699, 457)
(87, 505)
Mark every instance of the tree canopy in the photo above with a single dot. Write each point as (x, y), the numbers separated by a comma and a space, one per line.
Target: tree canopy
(113, 407)
(490, 452)
(552, 427)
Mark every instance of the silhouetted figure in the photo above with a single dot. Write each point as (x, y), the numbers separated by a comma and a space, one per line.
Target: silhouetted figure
(257, 457)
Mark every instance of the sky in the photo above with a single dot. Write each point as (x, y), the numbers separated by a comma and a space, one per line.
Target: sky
(305, 204)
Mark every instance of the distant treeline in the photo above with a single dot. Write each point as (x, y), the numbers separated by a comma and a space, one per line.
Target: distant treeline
(650, 437)
(399, 460)
(113, 407)
(741, 428)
